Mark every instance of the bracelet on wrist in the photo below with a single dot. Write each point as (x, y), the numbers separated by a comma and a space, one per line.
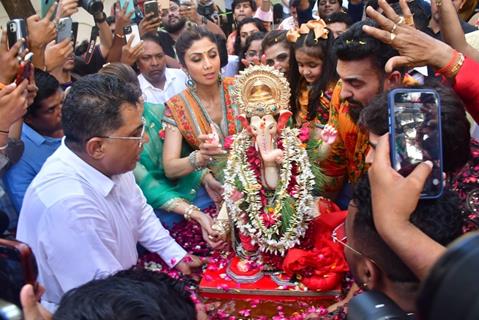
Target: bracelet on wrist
(121, 36)
(4, 147)
(453, 66)
(193, 161)
(189, 211)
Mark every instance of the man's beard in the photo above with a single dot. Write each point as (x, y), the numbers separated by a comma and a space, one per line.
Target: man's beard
(175, 27)
(354, 109)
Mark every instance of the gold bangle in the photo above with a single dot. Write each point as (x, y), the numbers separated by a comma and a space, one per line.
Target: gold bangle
(438, 3)
(189, 211)
(121, 36)
(457, 66)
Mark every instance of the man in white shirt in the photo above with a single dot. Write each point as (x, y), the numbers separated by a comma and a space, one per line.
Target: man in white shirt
(158, 83)
(83, 214)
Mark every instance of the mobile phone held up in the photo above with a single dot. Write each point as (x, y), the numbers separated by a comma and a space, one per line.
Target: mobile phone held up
(131, 30)
(129, 8)
(64, 29)
(151, 7)
(18, 267)
(16, 30)
(415, 135)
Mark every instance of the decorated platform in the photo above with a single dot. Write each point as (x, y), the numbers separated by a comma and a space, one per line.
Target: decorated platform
(217, 283)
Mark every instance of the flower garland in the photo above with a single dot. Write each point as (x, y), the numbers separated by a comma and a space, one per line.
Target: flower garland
(278, 226)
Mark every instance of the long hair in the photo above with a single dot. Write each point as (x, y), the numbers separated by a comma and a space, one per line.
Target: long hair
(321, 49)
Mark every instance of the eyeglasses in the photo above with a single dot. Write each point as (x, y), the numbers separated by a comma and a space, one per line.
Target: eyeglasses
(140, 138)
(339, 236)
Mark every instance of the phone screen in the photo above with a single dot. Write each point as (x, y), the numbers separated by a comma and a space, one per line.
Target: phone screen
(415, 133)
(17, 268)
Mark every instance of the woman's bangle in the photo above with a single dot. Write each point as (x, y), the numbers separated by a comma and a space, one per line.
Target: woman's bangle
(121, 36)
(453, 66)
(189, 211)
(4, 147)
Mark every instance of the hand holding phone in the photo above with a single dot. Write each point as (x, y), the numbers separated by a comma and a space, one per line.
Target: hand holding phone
(17, 30)
(64, 29)
(151, 9)
(24, 69)
(8, 59)
(132, 30)
(415, 135)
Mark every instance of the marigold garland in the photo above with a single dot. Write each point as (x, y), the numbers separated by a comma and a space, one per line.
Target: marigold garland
(296, 183)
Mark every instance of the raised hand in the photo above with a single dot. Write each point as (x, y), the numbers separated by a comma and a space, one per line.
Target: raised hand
(122, 19)
(415, 47)
(68, 7)
(13, 104)
(329, 134)
(57, 53)
(130, 54)
(149, 24)
(8, 59)
(41, 31)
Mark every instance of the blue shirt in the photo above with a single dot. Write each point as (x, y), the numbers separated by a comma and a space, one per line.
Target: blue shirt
(37, 149)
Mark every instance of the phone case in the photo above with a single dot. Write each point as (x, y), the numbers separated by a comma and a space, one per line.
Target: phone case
(20, 252)
(45, 6)
(437, 170)
(132, 30)
(64, 29)
(16, 29)
(151, 6)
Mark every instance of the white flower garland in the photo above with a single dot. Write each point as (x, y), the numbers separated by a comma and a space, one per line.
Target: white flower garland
(249, 222)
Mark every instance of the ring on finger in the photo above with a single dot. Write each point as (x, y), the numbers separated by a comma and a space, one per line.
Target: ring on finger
(394, 28)
(401, 20)
(393, 36)
(409, 20)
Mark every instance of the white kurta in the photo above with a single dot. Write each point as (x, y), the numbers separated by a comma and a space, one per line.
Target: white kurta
(81, 224)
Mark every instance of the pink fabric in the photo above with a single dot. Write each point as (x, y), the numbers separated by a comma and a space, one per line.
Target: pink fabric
(264, 15)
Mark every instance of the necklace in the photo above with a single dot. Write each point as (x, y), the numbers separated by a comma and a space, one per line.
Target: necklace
(223, 127)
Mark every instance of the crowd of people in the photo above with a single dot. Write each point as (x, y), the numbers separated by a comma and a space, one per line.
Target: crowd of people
(107, 147)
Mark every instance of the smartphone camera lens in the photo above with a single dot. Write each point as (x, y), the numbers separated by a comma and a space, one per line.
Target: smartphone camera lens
(12, 27)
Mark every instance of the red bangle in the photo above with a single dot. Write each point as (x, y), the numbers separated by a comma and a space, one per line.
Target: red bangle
(448, 66)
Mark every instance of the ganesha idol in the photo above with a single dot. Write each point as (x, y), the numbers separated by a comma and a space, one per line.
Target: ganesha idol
(268, 202)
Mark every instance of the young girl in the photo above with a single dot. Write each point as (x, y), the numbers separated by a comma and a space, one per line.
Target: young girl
(312, 73)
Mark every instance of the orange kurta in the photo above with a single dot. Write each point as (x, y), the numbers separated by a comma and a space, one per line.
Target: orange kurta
(346, 159)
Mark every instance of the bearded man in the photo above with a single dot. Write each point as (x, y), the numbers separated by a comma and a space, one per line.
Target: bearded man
(360, 66)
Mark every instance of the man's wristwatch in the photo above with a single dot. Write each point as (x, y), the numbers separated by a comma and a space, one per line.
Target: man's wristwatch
(100, 17)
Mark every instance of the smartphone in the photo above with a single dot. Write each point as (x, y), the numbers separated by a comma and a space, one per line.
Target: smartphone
(64, 29)
(18, 267)
(415, 135)
(24, 68)
(130, 8)
(152, 7)
(17, 29)
(130, 30)
(74, 33)
(45, 6)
